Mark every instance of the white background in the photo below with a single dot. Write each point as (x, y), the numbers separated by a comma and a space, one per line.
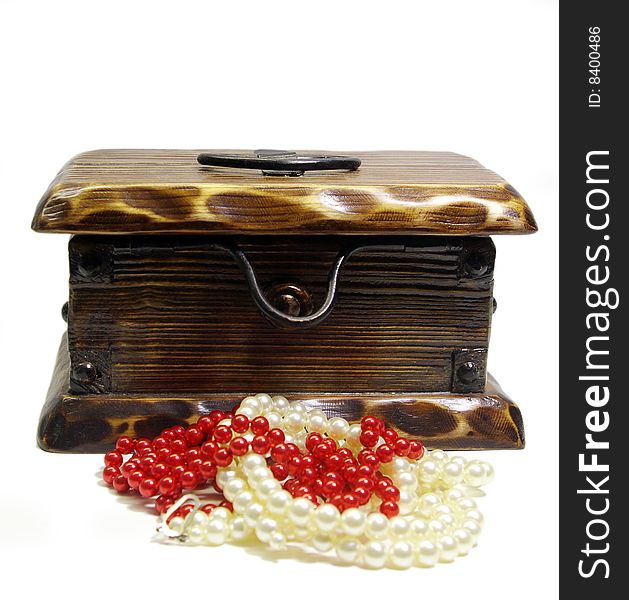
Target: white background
(476, 77)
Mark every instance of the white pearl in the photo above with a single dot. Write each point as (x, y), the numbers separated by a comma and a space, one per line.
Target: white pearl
(428, 471)
(216, 531)
(265, 527)
(277, 541)
(474, 474)
(199, 518)
(281, 404)
(407, 502)
(348, 550)
(406, 480)
(220, 512)
(327, 517)
(399, 527)
(374, 554)
(418, 528)
(473, 528)
(453, 495)
(253, 512)
(317, 422)
(293, 421)
(300, 439)
(233, 487)
(265, 401)
(443, 509)
(448, 548)
(249, 412)
(353, 435)
(242, 501)
(376, 526)
(399, 465)
(353, 521)
(196, 534)
(436, 526)
(301, 408)
(464, 540)
(401, 554)
(475, 515)
(253, 403)
(459, 459)
(239, 529)
(252, 461)
(300, 511)
(489, 472)
(322, 542)
(428, 503)
(278, 502)
(267, 486)
(302, 533)
(438, 456)
(223, 476)
(337, 428)
(427, 553)
(274, 418)
(466, 504)
(447, 520)
(452, 473)
(177, 524)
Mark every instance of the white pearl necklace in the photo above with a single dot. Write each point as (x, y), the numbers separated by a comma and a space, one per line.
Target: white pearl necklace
(438, 520)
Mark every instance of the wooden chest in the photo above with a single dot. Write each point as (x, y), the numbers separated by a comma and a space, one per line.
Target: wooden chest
(357, 287)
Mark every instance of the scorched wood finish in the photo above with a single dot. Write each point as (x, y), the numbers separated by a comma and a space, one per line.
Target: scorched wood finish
(316, 287)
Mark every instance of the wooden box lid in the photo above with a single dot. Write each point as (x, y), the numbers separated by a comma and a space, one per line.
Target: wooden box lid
(168, 191)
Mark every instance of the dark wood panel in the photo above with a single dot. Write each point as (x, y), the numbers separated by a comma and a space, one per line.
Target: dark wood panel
(172, 314)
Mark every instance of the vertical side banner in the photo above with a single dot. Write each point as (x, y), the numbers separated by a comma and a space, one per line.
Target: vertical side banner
(594, 265)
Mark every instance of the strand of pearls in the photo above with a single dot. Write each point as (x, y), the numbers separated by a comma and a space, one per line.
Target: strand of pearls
(438, 517)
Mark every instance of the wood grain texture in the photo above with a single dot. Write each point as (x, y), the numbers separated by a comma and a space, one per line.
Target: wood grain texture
(393, 193)
(91, 423)
(174, 315)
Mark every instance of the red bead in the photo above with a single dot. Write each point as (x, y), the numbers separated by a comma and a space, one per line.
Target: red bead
(168, 435)
(175, 459)
(312, 498)
(189, 480)
(159, 470)
(163, 503)
(205, 424)
(208, 469)
(163, 454)
(135, 479)
(293, 449)
(120, 483)
(350, 500)
(276, 436)
(148, 487)
(280, 453)
(125, 445)
(130, 466)
(402, 447)
(365, 482)
(322, 451)
(260, 444)
(307, 474)
(389, 509)
(223, 457)
(259, 425)
(208, 449)
(184, 510)
(192, 453)
(216, 416)
(345, 453)
(239, 446)
(312, 440)
(178, 445)
(167, 485)
(302, 490)
(309, 461)
(369, 423)
(350, 472)
(229, 415)
(362, 495)
(294, 465)
(280, 471)
(369, 438)
(380, 487)
(109, 473)
(240, 423)
(389, 436)
(228, 505)
(208, 508)
(147, 462)
(334, 462)
(177, 471)
(332, 487)
(160, 442)
(142, 443)
(222, 434)
(113, 458)
(385, 453)
(391, 494)
(416, 450)
(195, 464)
(194, 436)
